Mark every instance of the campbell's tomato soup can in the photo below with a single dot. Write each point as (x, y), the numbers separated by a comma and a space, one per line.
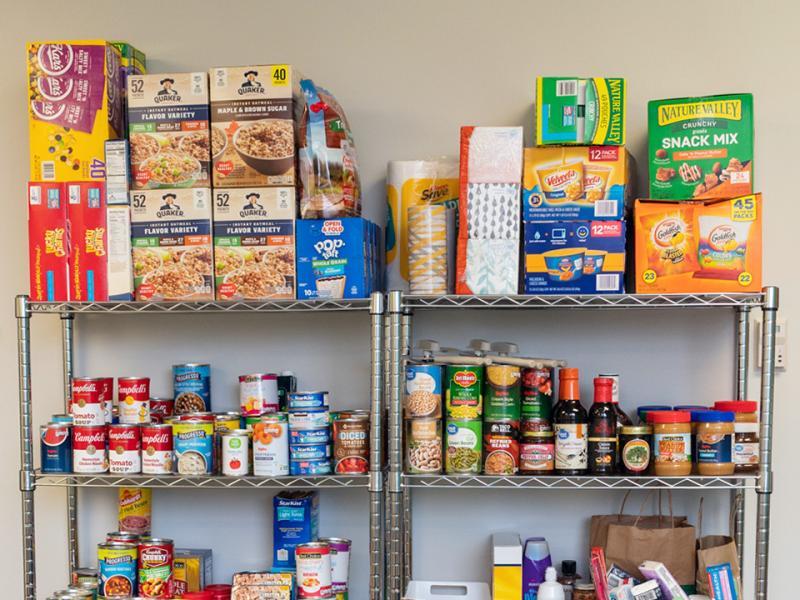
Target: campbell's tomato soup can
(157, 449)
(107, 392)
(161, 408)
(258, 393)
(124, 448)
(156, 557)
(133, 399)
(56, 448)
(313, 562)
(87, 401)
(89, 454)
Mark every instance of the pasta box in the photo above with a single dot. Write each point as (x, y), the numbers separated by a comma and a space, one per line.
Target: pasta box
(579, 183)
(698, 246)
(48, 246)
(295, 520)
(75, 104)
(192, 570)
(574, 257)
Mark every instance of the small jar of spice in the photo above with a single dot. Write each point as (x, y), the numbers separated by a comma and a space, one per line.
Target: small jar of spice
(635, 449)
(584, 591)
(746, 444)
(672, 443)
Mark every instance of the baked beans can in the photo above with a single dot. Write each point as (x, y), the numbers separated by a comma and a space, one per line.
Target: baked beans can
(307, 400)
(463, 443)
(108, 398)
(62, 418)
(56, 442)
(423, 391)
(424, 446)
(340, 564)
(117, 565)
(89, 453)
(313, 562)
(133, 399)
(122, 537)
(87, 400)
(537, 393)
(271, 446)
(351, 445)
(193, 444)
(157, 449)
(464, 391)
(235, 452)
(155, 567)
(317, 466)
(309, 419)
(124, 448)
(501, 447)
(258, 393)
(135, 508)
(191, 384)
(502, 393)
(537, 453)
(161, 408)
(310, 436)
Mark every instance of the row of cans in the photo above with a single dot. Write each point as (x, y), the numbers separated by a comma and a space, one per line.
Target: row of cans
(129, 566)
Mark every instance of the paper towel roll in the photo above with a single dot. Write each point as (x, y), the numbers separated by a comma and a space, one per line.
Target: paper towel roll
(427, 249)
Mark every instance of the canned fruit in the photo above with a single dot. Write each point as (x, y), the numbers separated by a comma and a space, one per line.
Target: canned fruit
(155, 567)
(351, 445)
(157, 449)
(464, 391)
(56, 443)
(310, 467)
(117, 566)
(271, 447)
(307, 400)
(309, 451)
(310, 436)
(124, 448)
(423, 397)
(313, 562)
(135, 510)
(191, 388)
(89, 454)
(194, 446)
(235, 453)
(87, 402)
(463, 447)
(258, 393)
(423, 446)
(133, 399)
(502, 399)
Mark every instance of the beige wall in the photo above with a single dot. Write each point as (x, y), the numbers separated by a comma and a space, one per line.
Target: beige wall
(409, 74)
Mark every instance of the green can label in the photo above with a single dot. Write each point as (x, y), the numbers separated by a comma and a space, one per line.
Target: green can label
(502, 393)
(464, 394)
(537, 393)
(463, 447)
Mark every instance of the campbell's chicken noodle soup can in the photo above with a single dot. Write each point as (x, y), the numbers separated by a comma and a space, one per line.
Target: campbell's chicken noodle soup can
(156, 556)
(124, 448)
(86, 405)
(271, 446)
(89, 453)
(313, 562)
(156, 448)
(56, 444)
(258, 393)
(351, 445)
(107, 391)
(133, 399)
(161, 408)
(340, 564)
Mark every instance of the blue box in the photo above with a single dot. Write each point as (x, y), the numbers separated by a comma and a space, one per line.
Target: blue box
(295, 520)
(574, 257)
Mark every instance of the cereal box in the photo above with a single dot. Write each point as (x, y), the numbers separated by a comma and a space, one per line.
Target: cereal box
(701, 147)
(572, 110)
(575, 257)
(295, 520)
(252, 134)
(172, 247)
(47, 242)
(254, 243)
(192, 570)
(168, 126)
(132, 62)
(117, 172)
(702, 246)
(74, 106)
(577, 183)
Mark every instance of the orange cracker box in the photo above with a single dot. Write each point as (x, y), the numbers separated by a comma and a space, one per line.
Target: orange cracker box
(700, 246)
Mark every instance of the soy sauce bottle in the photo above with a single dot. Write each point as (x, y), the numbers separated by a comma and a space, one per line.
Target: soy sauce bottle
(570, 426)
(602, 429)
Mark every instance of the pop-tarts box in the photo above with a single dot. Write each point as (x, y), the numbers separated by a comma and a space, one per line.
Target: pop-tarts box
(574, 257)
(295, 520)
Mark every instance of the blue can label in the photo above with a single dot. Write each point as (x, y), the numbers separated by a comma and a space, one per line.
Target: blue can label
(307, 400)
(56, 449)
(117, 566)
(423, 393)
(310, 436)
(309, 451)
(309, 419)
(193, 443)
(310, 467)
(714, 448)
(191, 386)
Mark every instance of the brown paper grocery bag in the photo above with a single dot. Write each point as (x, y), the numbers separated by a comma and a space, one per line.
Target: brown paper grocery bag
(715, 550)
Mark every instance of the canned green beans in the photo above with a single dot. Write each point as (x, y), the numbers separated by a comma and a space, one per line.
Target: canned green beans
(463, 447)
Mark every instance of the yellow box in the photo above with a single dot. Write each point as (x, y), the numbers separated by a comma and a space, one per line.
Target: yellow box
(506, 582)
(75, 95)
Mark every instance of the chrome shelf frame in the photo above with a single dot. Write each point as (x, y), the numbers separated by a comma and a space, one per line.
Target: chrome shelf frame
(278, 306)
(554, 482)
(72, 480)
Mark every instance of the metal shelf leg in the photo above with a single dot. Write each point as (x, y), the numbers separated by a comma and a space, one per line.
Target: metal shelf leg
(396, 570)
(26, 481)
(67, 339)
(742, 379)
(405, 344)
(376, 495)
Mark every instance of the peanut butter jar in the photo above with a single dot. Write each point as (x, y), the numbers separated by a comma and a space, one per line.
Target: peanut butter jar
(714, 445)
(672, 443)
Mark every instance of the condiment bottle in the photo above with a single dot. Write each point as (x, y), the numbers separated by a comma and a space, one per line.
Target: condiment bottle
(622, 417)
(550, 589)
(602, 429)
(570, 425)
(569, 577)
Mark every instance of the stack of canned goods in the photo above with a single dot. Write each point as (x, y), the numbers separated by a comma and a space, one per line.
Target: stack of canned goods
(322, 569)
(309, 433)
(130, 566)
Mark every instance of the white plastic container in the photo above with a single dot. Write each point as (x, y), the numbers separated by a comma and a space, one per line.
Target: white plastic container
(447, 590)
(550, 589)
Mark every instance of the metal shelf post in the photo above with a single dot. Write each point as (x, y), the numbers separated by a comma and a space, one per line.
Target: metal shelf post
(408, 546)
(376, 495)
(738, 497)
(67, 339)
(396, 571)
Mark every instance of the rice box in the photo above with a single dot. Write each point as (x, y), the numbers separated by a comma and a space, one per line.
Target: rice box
(172, 244)
(254, 243)
(48, 246)
(574, 257)
(295, 520)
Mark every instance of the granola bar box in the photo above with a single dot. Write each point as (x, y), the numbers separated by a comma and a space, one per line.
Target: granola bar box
(252, 125)
(701, 147)
(171, 244)
(169, 138)
(254, 243)
(48, 247)
(75, 96)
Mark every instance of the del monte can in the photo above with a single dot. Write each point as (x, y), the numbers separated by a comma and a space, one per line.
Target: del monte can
(464, 392)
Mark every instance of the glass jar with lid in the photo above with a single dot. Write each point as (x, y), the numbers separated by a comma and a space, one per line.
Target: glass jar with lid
(672, 443)
(746, 444)
(714, 449)
(584, 591)
(635, 449)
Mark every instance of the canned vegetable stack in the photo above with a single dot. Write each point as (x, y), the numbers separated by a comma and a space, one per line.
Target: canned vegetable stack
(423, 418)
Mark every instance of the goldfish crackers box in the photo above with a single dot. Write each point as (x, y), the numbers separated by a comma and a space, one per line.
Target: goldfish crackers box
(700, 246)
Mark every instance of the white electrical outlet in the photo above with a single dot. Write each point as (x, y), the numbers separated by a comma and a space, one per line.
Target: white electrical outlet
(781, 337)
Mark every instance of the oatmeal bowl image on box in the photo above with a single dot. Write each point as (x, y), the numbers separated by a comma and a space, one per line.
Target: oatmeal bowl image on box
(593, 261)
(565, 264)
(171, 170)
(219, 143)
(266, 146)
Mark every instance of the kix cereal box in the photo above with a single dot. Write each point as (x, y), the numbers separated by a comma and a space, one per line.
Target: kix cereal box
(701, 147)
(582, 111)
(74, 105)
(700, 246)
(48, 244)
(577, 183)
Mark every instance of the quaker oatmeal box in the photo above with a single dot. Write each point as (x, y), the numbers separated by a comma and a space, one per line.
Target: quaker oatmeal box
(252, 126)
(171, 241)
(254, 243)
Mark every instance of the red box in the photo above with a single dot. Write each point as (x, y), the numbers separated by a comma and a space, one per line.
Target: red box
(88, 235)
(48, 244)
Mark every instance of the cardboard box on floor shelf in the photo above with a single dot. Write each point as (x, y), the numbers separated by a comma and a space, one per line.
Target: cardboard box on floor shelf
(254, 243)
(699, 246)
(506, 566)
(574, 257)
(582, 111)
(48, 246)
(577, 183)
(172, 244)
(75, 104)
(701, 147)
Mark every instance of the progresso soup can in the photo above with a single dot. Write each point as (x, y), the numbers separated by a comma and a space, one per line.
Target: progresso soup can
(117, 564)
(464, 391)
(191, 384)
(462, 447)
(502, 396)
(193, 442)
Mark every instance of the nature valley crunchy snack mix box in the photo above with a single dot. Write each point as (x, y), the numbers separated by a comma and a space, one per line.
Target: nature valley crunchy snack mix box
(701, 147)
(696, 246)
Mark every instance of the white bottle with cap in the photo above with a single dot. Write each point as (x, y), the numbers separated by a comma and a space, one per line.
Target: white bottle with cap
(550, 589)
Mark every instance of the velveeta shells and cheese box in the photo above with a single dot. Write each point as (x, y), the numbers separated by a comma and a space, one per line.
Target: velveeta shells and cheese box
(705, 246)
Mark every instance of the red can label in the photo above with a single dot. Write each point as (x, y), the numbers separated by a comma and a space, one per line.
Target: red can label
(87, 401)
(351, 445)
(108, 398)
(89, 453)
(155, 569)
(160, 408)
(501, 448)
(124, 449)
(134, 399)
(156, 449)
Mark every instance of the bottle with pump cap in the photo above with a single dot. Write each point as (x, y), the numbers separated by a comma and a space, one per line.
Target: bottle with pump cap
(550, 589)
(602, 429)
(570, 426)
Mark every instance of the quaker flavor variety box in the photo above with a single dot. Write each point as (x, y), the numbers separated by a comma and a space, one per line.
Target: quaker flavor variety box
(574, 257)
(698, 246)
(48, 244)
(577, 183)
(701, 147)
(254, 243)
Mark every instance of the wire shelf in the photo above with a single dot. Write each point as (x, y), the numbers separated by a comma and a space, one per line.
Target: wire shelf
(555, 482)
(210, 481)
(274, 306)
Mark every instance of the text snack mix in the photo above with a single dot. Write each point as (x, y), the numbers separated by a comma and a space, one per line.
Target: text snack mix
(701, 147)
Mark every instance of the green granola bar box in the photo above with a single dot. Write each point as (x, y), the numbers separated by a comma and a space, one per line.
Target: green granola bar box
(701, 147)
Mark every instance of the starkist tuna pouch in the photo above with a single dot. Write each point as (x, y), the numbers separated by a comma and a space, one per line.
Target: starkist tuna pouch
(670, 240)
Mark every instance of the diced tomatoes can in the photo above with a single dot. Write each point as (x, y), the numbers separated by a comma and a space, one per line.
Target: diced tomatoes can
(271, 446)
(501, 447)
(191, 384)
(161, 408)
(313, 562)
(340, 564)
(56, 443)
(124, 448)
(235, 452)
(117, 564)
(537, 393)
(133, 399)
(157, 449)
(156, 556)
(258, 393)
(351, 445)
(108, 398)
(87, 400)
(89, 453)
